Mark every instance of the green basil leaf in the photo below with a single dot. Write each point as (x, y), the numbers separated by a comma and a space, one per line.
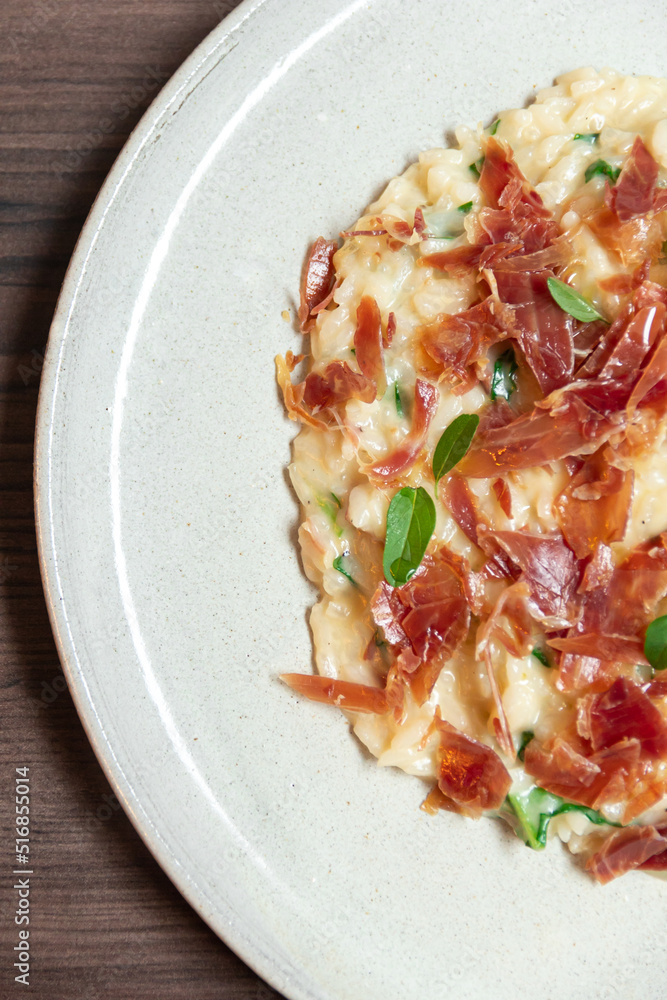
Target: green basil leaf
(331, 508)
(494, 128)
(655, 643)
(410, 524)
(454, 443)
(602, 167)
(541, 656)
(338, 565)
(397, 397)
(503, 380)
(465, 208)
(336, 500)
(535, 808)
(526, 737)
(572, 302)
(588, 137)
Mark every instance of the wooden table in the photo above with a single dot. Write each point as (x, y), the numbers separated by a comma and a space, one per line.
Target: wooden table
(75, 77)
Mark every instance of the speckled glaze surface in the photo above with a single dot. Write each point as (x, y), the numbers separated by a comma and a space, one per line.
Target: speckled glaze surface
(167, 527)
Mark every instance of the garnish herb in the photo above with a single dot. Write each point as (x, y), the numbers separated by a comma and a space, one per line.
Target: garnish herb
(397, 397)
(503, 380)
(494, 128)
(540, 655)
(602, 167)
(572, 302)
(465, 208)
(526, 737)
(655, 643)
(454, 443)
(476, 168)
(588, 137)
(410, 524)
(338, 565)
(353, 350)
(331, 505)
(535, 808)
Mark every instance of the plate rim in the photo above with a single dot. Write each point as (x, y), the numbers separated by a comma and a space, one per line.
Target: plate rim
(188, 73)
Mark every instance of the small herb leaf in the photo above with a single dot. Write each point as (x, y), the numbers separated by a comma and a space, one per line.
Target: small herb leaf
(572, 302)
(454, 443)
(410, 524)
(541, 656)
(465, 208)
(588, 137)
(604, 168)
(503, 380)
(494, 127)
(476, 168)
(655, 643)
(338, 565)
(397, 398)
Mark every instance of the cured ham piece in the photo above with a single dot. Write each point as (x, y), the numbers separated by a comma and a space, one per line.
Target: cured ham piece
(342, 694)
(563, 424)
(560, 765)
(503, 495)
(564, 768)
(550, 570)
(634, 192)
(545, 331)
(388, 334)
(623, 712)
(625, 347)
(430, 614)
(461, 502)
(618, 612)
(336, 385)
(623, 649)
(456, 342)
(595, 505)
(470, 773)
(505, 187)
(368, 343)
(317, 279)
(398, 461)
(384, 225)
(625, 850)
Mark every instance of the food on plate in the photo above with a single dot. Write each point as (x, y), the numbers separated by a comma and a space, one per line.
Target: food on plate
(482, 467)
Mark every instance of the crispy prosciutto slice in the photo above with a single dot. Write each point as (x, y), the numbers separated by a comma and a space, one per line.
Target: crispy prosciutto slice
(550, 570)
(595, 505)
(430, 615)
(634, 192)
(342, 694)
(456, 342)
(368, 342)
(506, 188)
(568, 422)
(470, 773)
(623, 712)
(426, 403)
(545, 332)
(337, 384)
(618, 612)
(625, 850)
(565, 768)
(317, 279)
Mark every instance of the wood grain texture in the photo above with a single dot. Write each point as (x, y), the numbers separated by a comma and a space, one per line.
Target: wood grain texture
(75, 77)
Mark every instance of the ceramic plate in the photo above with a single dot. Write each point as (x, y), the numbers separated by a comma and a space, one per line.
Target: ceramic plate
(167, 527)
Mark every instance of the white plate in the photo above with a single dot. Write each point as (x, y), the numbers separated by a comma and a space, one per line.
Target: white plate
(166, 525)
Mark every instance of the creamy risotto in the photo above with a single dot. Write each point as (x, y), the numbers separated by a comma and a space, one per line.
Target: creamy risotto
(482, 465)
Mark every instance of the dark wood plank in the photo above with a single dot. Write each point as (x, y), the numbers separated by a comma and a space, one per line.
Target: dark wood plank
(75, 77)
